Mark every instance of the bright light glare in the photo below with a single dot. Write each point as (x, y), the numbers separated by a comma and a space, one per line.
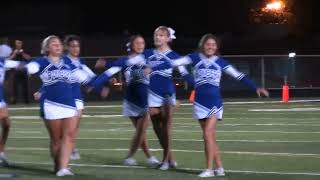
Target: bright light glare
(276, 5)
(292, 54)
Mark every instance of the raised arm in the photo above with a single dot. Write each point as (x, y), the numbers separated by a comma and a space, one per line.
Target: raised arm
(136, 60)
(233, 72)
(181, 61)
(115, 67)
(88, 70)
(10, 64)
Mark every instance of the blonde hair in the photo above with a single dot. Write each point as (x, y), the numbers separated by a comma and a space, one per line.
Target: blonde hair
(45, 44)
(163, 28)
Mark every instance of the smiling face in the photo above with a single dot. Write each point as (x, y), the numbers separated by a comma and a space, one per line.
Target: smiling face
(210, 47)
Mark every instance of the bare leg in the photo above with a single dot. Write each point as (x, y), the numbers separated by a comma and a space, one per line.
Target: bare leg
(139, 139)
(54, 128)
(157, 123)
(78, 118)
(166, 132)
(211, 147)
(5, 125)
(68, 137)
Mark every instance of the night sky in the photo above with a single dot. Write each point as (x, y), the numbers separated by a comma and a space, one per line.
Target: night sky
(187, 17)
(226, 18)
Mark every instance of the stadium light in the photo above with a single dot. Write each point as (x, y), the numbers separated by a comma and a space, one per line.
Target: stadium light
(292, 55)
(275, 6)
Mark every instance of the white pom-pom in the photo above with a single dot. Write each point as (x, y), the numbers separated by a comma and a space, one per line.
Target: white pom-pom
(5, 51)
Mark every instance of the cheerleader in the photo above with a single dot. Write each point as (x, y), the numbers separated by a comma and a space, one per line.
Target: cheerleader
(5, 52)
(208, 67)
(73, 44)
(162, 97)
(57, 103)
(135, 104)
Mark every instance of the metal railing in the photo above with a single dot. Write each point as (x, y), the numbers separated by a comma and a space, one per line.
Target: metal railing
(269, 71)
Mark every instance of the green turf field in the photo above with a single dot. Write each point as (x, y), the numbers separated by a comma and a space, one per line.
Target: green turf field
(279, 144)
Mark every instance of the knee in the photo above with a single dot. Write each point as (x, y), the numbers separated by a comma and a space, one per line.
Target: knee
(55, 143)
(142, 130)
(208, 133)
(69, 136)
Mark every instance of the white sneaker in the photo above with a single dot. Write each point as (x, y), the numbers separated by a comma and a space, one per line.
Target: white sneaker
(173, 164)
(207, 173)
(75, 155)
(164, 166)
(219, 172)
(64, 172)
(153, 162)
(3, 159)
(130, 162)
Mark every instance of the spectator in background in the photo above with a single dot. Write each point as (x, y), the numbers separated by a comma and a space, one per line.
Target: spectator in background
(20, 77)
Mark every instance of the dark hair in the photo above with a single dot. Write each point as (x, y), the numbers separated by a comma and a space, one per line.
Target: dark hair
(204, 39)
(70, 38)
(129, 45)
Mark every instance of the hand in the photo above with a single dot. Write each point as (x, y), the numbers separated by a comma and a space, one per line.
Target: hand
(16, 51)
(14, 54)
(100, 64)
(37, 96)
(105, 92)
(178, 104)
(262, 91)
(113, 81)
(147, 71)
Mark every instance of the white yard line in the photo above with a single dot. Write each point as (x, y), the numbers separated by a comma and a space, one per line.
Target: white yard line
(187, 124)
(26, 117)
(183, 104)
(84, 116)
(189, 169)
(286, 110)
(183, 140)
(254, 113)
(174, 130)
(28, 132)
(180, 150)
(102, 116)
(37, 119)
